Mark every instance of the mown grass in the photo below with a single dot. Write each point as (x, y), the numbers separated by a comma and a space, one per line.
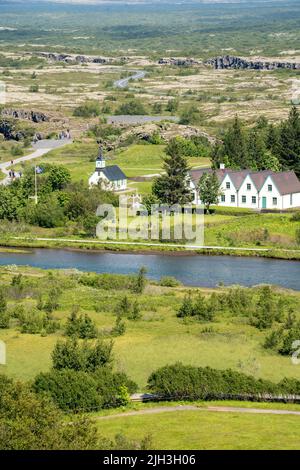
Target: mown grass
(203, 430)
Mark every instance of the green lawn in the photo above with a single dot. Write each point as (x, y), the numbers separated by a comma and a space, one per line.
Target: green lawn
(201, 430)
(136, 160)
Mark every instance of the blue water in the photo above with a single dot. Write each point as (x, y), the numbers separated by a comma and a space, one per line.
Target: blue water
(191, 270)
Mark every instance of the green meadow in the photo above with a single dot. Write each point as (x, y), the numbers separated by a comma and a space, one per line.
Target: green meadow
(156, 339)
(201, 430)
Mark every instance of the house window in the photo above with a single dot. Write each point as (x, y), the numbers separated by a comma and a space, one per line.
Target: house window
(244, 199)
(270, 188)
(275, 201)
(232, 198)
(248, 187)
(228, 185)
(253, 199)
(223, 198)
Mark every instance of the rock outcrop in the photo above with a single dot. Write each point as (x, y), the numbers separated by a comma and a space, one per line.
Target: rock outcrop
(179, 62)
(166, 131)
(79, 59)
(33, 116)
(232, 62)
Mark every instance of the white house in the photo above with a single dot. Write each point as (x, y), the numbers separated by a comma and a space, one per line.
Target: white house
(110, 177)
(253, 190)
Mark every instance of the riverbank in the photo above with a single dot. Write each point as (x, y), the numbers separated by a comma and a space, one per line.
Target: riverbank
(99, 246)
(189, 268)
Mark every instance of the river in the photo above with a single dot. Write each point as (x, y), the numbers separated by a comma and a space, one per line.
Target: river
(191, 270)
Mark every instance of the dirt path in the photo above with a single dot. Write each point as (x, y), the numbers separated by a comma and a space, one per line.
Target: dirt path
(218, 409)
(39, 149)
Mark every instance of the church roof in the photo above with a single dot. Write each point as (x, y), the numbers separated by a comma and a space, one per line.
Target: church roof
(113, 173)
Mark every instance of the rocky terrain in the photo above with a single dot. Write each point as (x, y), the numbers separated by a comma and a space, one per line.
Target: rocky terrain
(232, 62)
(166, 131)
(34, 116)
(79, 59)
(180, 62)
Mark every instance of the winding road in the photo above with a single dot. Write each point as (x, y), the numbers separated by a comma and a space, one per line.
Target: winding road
(40, 148)
(123, 82)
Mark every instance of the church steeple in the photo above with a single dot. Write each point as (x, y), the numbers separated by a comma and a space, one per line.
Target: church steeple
(100, 162)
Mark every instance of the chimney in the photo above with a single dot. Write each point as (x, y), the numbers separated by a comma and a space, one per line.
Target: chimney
(222, 166)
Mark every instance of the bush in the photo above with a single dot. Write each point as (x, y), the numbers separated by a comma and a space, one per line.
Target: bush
(86, 357)
(180, 382)
(87, 110)
(81, 326)
(297, 236)
(169, 281)
(120, 328)
(70, 390)
(107, 281)
(141, 281)
(202, 309)
(35, 322)
(296, 217)
(133, 107)
(82, 391)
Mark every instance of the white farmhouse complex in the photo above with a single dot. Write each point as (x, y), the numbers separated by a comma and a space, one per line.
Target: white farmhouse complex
(253, 190)
(110, 178)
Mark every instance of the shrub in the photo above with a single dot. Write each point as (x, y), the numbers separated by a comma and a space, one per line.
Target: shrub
(287, 345)
(296, 217)
(141, 281)
(35, 322)
(82, 392)
(107, 281)
(86, 357)
(87, 110)
(120, 327)
(297, 236)
(70, 390)
(81, 326)
(202, 309)
(133, 107)
(169, 281)
(187, 382)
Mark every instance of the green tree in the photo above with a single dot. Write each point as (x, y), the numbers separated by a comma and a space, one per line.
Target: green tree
(289, 146)
(209, 189)
(172, 188)
(235, 145)
(141, 281)
(32, 422)
(187, 308)
(86, 357)
(133, 107)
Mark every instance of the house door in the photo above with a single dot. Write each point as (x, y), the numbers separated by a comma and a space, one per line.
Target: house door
(264, 202)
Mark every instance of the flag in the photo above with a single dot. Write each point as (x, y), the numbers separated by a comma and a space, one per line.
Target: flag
(39, 170)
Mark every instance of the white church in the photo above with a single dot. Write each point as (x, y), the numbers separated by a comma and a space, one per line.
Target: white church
(258, 190)
(110, 178)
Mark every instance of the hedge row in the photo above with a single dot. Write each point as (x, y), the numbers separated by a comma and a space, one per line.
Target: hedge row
(197, 383)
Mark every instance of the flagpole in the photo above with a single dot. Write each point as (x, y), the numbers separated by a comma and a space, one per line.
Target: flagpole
(35, 186)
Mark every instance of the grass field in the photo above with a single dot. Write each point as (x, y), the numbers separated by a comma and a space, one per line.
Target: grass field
(136, 160)
(157, 339)
(207, 430)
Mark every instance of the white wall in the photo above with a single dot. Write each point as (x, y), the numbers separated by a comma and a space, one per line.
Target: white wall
(119, 185)
(249, 193)
(269, 195)
(228, 192)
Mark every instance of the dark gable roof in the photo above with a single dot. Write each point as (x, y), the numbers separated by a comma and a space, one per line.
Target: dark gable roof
(113, 173)
(285, 181)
